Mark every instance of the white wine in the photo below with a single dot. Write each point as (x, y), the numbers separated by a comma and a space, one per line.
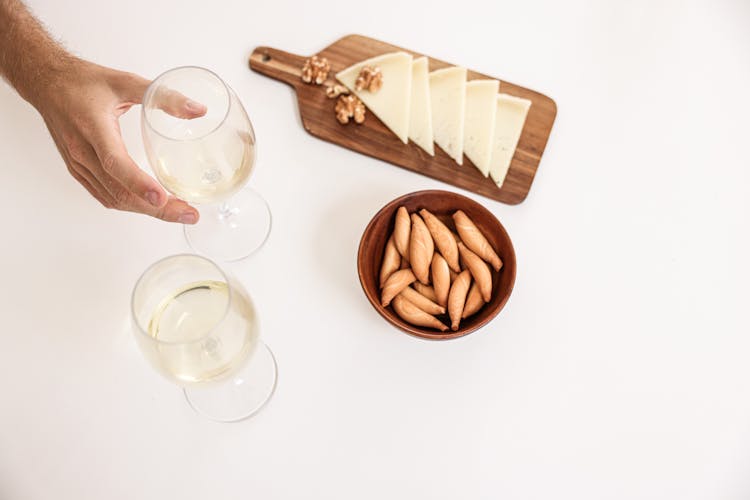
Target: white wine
(203, 159)
(188, 313)
(203, 332)
(206, 171)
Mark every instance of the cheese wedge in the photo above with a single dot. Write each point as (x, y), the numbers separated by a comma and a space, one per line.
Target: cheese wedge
(509, 120)
(448, 103)
(420, 119)
(479, 123)
(392, 102)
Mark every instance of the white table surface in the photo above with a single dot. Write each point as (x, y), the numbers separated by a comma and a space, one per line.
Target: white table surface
(620, 368)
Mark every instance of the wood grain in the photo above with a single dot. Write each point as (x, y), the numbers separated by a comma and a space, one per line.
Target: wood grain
(443, 204)
(374, 139)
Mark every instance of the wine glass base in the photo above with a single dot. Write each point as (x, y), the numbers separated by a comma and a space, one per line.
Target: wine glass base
(242, 395)
(232, 231)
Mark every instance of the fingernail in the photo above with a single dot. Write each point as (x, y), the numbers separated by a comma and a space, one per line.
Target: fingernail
(153, 198)
(187, 218)
(194, 107)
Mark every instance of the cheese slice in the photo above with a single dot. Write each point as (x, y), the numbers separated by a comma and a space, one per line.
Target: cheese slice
(448, 102)
(511, 115)
(420, 119)
(479, 122)
(391, 102)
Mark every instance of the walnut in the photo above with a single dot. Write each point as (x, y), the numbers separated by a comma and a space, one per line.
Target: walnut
(349, 106)
(362, 79)
(369, 78)
(315, 70)
(342, 117)
(344, 108)
(336, 90)
(377, 81)
(359, 112)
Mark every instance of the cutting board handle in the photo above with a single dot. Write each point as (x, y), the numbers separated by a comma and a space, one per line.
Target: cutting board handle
(278, 64)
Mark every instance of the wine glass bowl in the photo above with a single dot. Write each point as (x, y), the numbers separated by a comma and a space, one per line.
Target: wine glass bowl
(195, 323)
(186, 148)
(201, 146)
(197, 326)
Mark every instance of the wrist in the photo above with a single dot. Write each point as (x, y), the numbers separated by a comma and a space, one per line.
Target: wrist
(50, 79)
(30, 60)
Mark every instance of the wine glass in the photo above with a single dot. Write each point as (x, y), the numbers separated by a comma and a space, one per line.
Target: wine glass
(206, 160)
(197, 326)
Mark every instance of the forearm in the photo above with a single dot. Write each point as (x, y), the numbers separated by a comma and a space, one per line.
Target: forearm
(30, 60)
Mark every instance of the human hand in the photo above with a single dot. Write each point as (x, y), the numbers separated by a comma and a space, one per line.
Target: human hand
(81, 110)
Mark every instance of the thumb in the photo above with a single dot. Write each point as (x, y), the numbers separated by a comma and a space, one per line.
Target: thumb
(132, 88)
(176, 104)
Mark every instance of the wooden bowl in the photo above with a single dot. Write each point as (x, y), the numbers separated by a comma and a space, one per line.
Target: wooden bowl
(442, 204)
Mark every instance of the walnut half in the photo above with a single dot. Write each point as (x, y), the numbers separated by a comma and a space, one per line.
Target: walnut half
(369, 78)
(336, 90)
(315, 70)
(349, 106)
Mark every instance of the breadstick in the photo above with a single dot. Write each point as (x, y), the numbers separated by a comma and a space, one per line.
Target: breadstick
(479, 270)
(441, 279)
(425, 290)
(421, 301)
(474, 301)
(421, 248)
(391, 261)
(457, 298)
(444, 240)
(475, 240)
(394, 284)
(401, 232)
(414, 315)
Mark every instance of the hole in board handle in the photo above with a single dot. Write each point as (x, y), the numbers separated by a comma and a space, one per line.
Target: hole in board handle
(266, 57)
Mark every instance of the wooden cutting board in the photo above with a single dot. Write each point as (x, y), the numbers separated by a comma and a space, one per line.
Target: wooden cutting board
(375, 139)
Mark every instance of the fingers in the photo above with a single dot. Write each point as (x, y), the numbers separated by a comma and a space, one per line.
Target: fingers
(172, 102)
(80, 156)
(114, 160)
(83, 176)
(103, 195)
(112, 192)
(101, 198)
(174, 210)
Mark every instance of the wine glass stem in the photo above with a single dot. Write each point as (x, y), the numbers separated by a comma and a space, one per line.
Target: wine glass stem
(225, 211)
